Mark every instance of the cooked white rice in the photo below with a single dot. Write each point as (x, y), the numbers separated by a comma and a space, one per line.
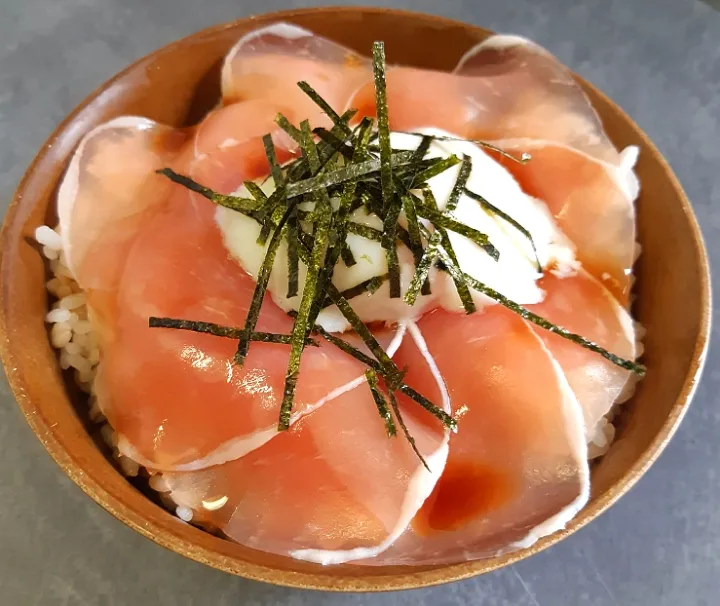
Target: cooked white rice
(71, 334)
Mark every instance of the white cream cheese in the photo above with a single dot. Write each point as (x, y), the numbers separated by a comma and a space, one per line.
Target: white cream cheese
(514, 275)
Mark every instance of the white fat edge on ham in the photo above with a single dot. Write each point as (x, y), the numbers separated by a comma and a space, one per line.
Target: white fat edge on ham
(420, 485)
(281, 30)
(622, 173)
(236, 448)
(514, 275)
(67, 194)
(576, 436)
(622, 391)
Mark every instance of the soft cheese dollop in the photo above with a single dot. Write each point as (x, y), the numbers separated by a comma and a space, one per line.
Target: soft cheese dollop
(514, 275)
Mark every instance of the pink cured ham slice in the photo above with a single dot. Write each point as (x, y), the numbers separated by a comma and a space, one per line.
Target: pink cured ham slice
(592, 202)
(517, 467)
(173, 396)
(588, 186)
(584, 306)
(269, 62)
(509, 91)
(333, 489)
(109, 189)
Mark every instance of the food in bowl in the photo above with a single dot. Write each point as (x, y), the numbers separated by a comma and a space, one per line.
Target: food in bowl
(360, 313)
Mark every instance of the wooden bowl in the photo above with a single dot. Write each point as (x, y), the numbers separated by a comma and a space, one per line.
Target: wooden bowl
(177, 85)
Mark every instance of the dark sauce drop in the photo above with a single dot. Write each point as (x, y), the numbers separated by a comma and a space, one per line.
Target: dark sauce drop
(466, 490)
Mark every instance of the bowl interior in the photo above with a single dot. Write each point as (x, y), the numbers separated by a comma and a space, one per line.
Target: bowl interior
(177, 85)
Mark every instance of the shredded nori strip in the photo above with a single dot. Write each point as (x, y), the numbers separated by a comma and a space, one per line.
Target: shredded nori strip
(292, 130)
(343, 174)
(403, 426)
(308, 147)
(383, 124)
(304, 320)
(324, 105)
(388, 243)
(243, 205)
(365, 287)
(340, 224)
(422, 268)
(291, 234)
(528, 315)
(392, 204)
(367, 232)
(347, 255)
(256, 192)
(436, 167)
(229, 332)
(447, 420)
(385, 414)
(260, 287)
(275, 170)
(273, 204)
(460, 182)
(495, 210)
(441, 220)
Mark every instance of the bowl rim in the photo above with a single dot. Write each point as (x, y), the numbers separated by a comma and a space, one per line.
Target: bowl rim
(317, 580)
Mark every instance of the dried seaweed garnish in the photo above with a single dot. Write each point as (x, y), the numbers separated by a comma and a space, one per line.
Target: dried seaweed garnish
(304, 320)
(383, 124)
(324, 105)
(422, 269)
(528, 315)
(460, 284)
(347, 255)
(341, 175)
(243, 205)
(256, 192)
(369, 286)
(447, 420)
(228, 332)
(340, 224)
(388, 243)
(297, 170)
(274, 203)
(505, 217)
(403, 426)
(309, 149)
(392, 204)
(459, 187)
(436, 168)
(367, 232)
(385, 414)
(445, 222)
(275, 170)
(260, 287)
(291, 235)
(292, 130)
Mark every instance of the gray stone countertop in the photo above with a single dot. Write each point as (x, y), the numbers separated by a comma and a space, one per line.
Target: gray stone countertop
(660, 545)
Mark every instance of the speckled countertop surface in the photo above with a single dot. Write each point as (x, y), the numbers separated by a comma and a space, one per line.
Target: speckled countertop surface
(660, 545)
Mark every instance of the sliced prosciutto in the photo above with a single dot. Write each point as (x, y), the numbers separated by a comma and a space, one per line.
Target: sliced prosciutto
(268, 63)
(174, 397)
(514, 94)
(584, 306)
(517, 468)
(334, 488)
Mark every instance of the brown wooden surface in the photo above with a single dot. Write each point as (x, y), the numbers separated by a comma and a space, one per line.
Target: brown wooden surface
(176, 85)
